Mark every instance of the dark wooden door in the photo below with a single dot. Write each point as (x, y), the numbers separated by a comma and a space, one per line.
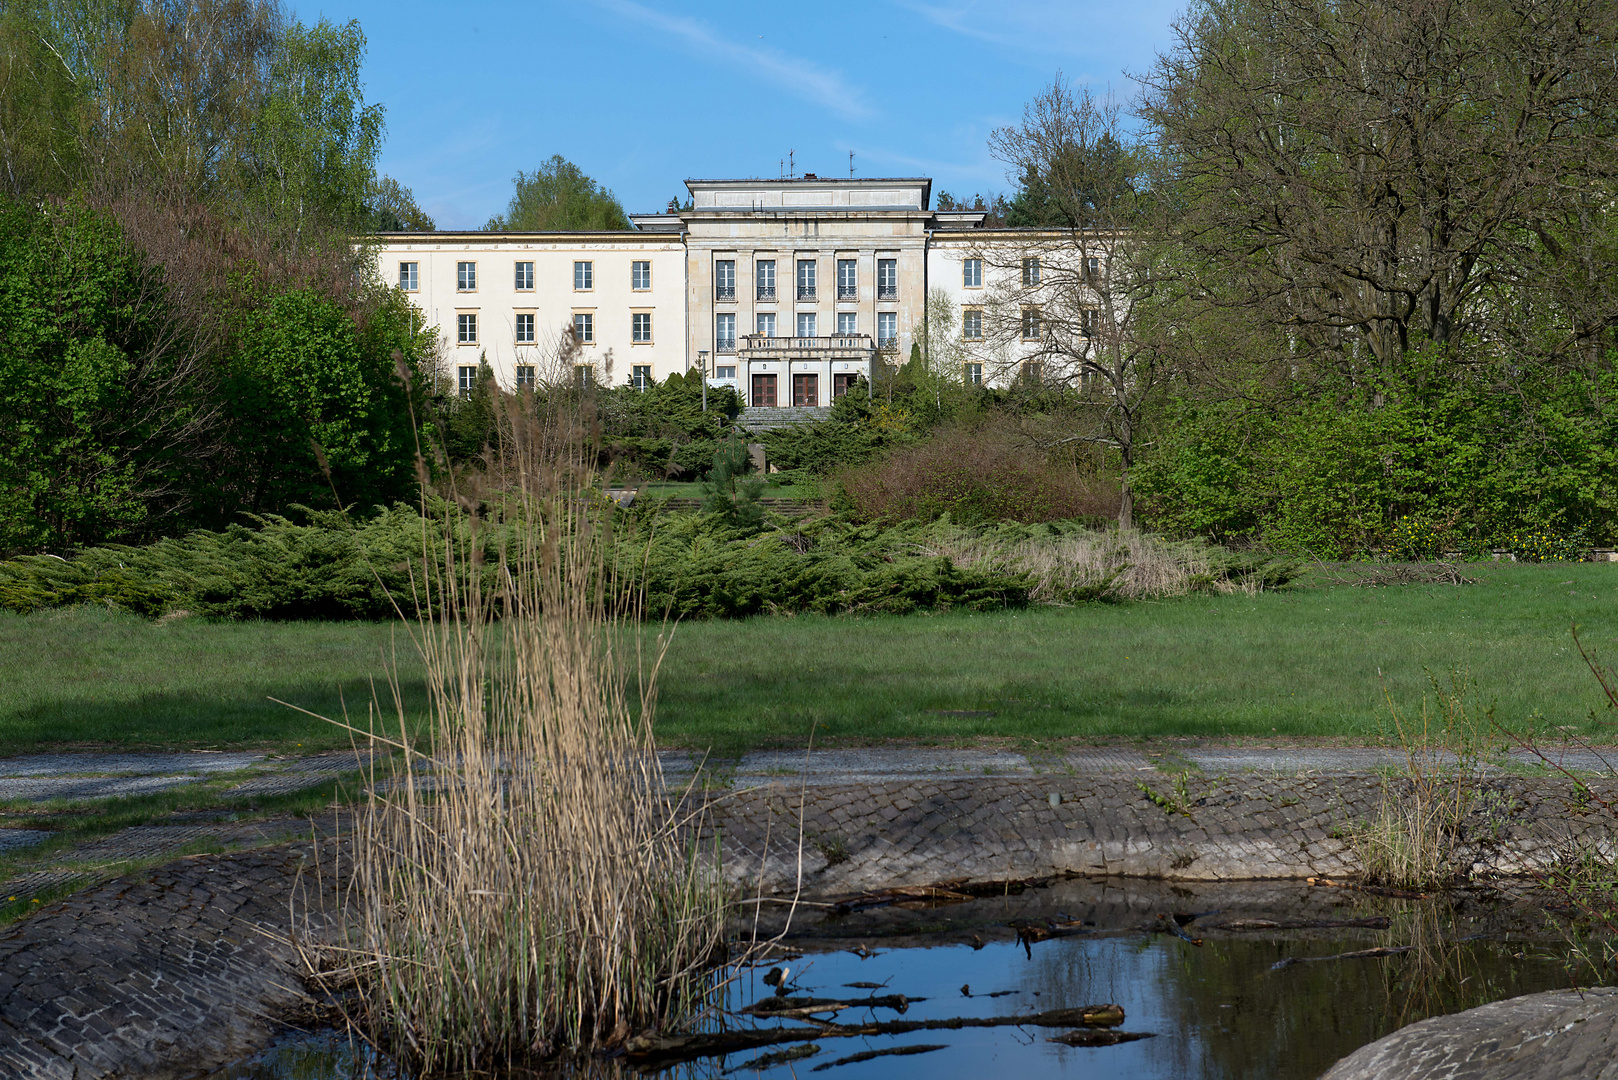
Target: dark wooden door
(763, 391)
(806, 390)
(841, 384)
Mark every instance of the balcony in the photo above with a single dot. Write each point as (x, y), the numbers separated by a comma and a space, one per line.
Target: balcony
(725, 346)
(806, 292)
(822, 347)
(848, 292)
(766, 292)
(887, 292)
(724, 292)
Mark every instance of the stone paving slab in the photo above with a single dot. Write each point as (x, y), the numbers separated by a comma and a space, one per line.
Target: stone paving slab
(1325, 760)
(876, 764)
(1570, 758)
(12, 839)
(142, 763)
(41, 788)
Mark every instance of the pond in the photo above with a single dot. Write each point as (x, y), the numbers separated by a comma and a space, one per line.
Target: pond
(1244, 1002)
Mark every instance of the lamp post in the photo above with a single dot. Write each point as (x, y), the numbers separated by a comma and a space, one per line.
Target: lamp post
(702, 361)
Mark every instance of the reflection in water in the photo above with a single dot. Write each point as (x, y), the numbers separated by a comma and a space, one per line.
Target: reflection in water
(1218, 1011)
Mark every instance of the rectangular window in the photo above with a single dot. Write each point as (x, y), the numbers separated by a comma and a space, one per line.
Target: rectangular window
(1030, 270)
(887, 328)
(724, 279)
(525, 329)
(972, 325)
(764, 272)
(584, 327)
(640, 275)
(1034, 371)
(1030, 324)
(724, 371)
(640, 376)
(842, 384)
(848, 322)
(887, 279)
(409, 279)
(848, 282)
(525, 374)
(584, 276)
(466, 276)
(806, 390)
(763, 391)
(1089, 321)
(974, 374)
(806, 324)
(525, 277)
(1092, 269)
(468, 378)
(466, 329)
(724, 332)
(640, 327)
(972, 273)
(583, 375)
(765, 323)
(806, 279)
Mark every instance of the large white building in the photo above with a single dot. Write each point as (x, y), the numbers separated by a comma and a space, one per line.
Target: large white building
(781, 288)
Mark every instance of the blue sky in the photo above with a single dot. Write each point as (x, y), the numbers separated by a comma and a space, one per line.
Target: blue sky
(643, 94)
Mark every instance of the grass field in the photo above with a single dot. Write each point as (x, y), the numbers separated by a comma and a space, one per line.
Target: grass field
(1304, 662)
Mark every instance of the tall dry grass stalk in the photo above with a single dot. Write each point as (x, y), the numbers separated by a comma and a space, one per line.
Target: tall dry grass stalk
(521, 884)
(1413, 839)
(1123, 564)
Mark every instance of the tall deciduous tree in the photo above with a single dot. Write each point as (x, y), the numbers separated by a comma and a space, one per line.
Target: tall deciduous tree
(558, 195)
(1372, 174)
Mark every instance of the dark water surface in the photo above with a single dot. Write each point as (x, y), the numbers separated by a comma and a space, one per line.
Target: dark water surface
(1218, 1010)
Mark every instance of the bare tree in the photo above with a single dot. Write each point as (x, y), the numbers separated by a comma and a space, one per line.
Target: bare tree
(1070, 304)
(1371, 176)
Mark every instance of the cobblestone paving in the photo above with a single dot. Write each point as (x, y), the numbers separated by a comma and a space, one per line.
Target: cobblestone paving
(108, 764)
(103, 776)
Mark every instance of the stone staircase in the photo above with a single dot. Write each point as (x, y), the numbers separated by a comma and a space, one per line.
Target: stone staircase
(769, 419)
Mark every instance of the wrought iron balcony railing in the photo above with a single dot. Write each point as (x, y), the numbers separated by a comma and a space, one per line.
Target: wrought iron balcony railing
(848, 292)
(766, 292)
(806, 292)
(850, 346)
(724, 292)
(887, 292)
(725, 346)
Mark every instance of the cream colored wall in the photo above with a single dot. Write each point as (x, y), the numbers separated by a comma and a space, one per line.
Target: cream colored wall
(553, 300)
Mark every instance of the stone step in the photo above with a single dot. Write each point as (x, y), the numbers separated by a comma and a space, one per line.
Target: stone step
(770, 418)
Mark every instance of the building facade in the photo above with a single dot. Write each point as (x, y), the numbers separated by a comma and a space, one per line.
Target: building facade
(784, 289)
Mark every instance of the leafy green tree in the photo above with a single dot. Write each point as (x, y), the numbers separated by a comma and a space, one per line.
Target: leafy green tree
(728, 491)
(39, 105)
(393, 209)
(558, 195)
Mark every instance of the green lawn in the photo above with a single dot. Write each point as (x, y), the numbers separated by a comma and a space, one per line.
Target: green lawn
(1307, 662)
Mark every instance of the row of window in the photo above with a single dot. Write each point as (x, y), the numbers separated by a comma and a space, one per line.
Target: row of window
(805, 387)
(584, 276)
(887, 327)
(584, 328)
(887, 279)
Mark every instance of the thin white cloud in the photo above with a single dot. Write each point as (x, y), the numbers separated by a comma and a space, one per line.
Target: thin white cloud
(799, 76)
(1054, 27)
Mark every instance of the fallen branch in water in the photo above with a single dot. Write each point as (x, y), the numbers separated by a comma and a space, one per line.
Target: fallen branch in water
(948, 891)
(795, 1007)
(1378, 923)
(1374, 890)
(1358, 954)
(670, 1048)
(892, 1051)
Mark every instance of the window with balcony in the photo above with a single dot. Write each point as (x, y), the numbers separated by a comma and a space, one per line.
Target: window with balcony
(764, 273)
(848, 280)
(468, 378)
(409, 277)
(1030, 324)
(640, 275)
(806, 279)
(640, 376)
(887, 279)
(974, 374)
(887, 329)
(848, 322)
(724, 279)
(765, 323)
(584, 327)
(724, 332)
(972, 325)
(806, 324)
(1030, 270)
(525, 329)
(640, 328)
(466, 329)
(466, 276)
(525, 277)
(972, 273)
(584, 276)
(526, 375)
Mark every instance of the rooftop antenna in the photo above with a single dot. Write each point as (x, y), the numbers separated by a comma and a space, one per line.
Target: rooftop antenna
(851, 164)
(781, 168)
(792, 165)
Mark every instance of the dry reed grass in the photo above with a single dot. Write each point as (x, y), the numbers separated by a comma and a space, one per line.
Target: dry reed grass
(1122, 564)
(1413, 839)
(520, 883)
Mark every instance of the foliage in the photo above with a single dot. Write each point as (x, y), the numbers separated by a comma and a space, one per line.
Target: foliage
(393, 209)
(664, 431)
(558, 195)
(1412, 539)
(728, 492)
(1544, 545)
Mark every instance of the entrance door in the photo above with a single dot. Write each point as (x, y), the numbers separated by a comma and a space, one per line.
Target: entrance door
(763, 391)
(841, 384)
(806, 390)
